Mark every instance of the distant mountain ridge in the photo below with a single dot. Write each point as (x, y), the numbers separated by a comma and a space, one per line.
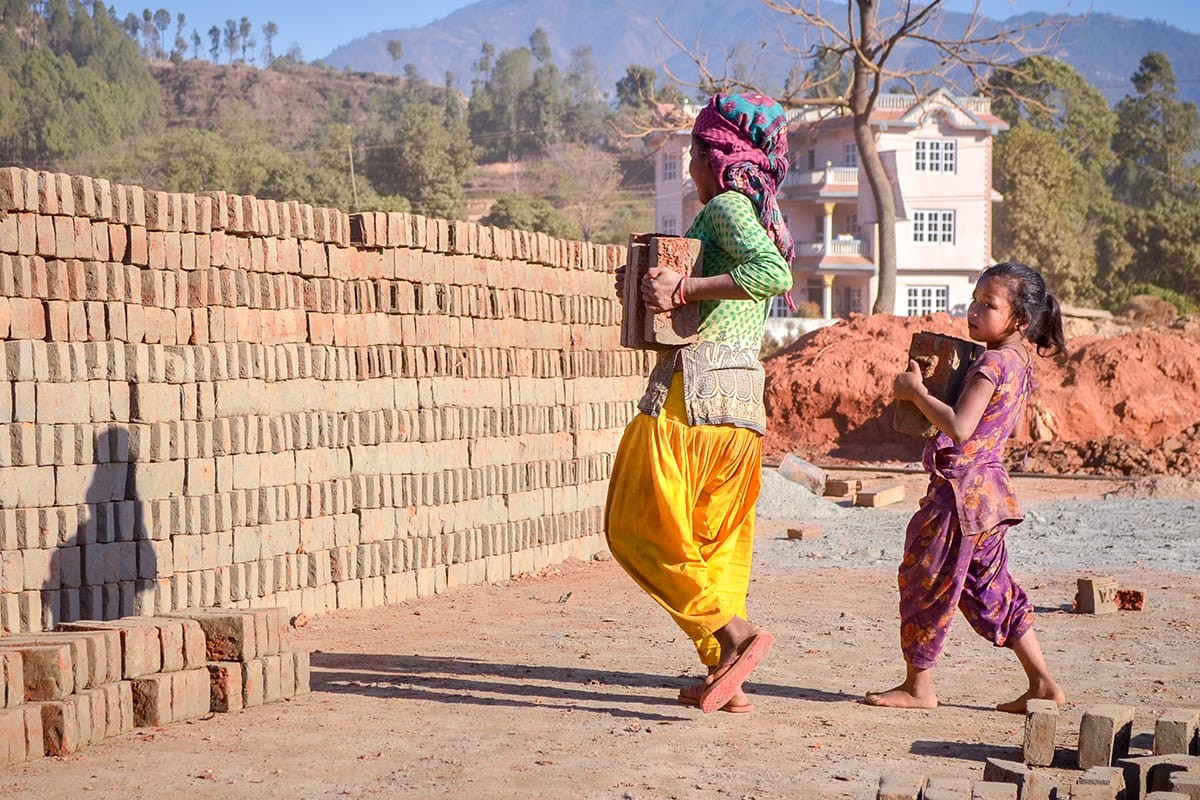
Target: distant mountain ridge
(1104, 48)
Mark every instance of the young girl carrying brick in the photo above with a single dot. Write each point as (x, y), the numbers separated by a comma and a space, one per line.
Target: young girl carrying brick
(954, 551)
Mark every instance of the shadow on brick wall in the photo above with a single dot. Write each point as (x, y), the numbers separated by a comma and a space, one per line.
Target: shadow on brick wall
(106, 569)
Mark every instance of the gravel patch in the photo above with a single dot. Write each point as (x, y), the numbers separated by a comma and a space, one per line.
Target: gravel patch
(1110, 533)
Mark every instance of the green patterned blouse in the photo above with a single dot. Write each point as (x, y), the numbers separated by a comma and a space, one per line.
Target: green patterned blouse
(736, 243)
(722, 376)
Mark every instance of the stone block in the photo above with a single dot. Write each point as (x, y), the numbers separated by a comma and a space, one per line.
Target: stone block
(1104, 734)
(152, 700)
(60, 727)
(1187, 784)
(805, 533)
(190, 694)
(1176, 732)
(141, 647)
(1041, 722)
(12, 679)
(880, 495)
(900, 787)
(252, 682)
(229, 635)
(944, 787)
(990, 790)
(48, 669)
(1096, 596)
(35, 740)
(1030, 784)
(1147, 774)
(842, 488)
(303, 671)
(225, 686)
(13, 749)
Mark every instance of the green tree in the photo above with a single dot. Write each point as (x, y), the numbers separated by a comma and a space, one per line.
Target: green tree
(395, 49)
(586, 111)
(497, 121)
(525, 213)
(214, 44)
(191, 160)
(431, 162)
(636, 89)
(269, 31)
(230, 39)
(1041, 221)
(1156, 138)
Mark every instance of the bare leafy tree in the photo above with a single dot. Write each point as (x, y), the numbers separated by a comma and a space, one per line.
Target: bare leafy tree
(870, 41)
(395, 49)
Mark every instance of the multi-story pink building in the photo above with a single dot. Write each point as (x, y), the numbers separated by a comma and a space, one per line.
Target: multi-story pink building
(937, 151)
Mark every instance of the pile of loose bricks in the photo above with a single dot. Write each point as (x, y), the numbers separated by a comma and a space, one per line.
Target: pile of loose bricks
(1108, 771)
(219, 401)
(91, 680)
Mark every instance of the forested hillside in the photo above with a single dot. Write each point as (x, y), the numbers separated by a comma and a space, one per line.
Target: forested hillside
(1103, 197)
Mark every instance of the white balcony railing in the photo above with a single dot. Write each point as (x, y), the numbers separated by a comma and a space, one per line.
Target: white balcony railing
(837, 247)
(822, 177)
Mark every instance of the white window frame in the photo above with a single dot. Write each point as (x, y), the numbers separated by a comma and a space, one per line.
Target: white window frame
(850, 154)
(779, 308)
(670, 226)
(670, 167)
(933, 227)
(927, 299)
(935, 155)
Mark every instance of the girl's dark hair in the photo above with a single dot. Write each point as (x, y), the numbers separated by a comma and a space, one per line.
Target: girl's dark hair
(1035, 306)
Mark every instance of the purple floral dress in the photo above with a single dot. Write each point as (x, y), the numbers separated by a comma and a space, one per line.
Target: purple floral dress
(954, 552)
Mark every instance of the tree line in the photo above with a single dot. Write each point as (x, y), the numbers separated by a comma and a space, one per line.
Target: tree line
(1101, 198)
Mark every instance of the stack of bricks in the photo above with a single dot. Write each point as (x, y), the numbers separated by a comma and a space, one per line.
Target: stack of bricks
(95, 679)
(249, 658)
(214, 400)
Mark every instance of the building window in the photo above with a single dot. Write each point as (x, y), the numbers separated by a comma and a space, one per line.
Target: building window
(852, 224)
(670, 167)
(933, 227)
(850, 154)
(779, 307)
(812, 160)
(670, 226)
(924, 300)
(936, 155)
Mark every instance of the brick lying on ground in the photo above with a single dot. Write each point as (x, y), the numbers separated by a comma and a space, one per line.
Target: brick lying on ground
(1096, 595)
(900, 787)
(943, 787)
(1104, 734)
(1099, 783)
(1187, 784)
(1031, 785)
(1147, 774)
(1177, 731)
(989, 790)
(876, 496)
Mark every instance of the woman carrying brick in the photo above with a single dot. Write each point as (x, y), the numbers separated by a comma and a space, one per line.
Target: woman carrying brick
(680, 510)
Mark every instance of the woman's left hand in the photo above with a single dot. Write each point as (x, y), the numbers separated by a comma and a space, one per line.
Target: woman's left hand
(658, 289)
(909, 384)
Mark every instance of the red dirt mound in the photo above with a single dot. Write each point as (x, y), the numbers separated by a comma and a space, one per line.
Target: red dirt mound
(1126, 404)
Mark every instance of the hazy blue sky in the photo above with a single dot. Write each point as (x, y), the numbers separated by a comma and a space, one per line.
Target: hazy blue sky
(319, 27)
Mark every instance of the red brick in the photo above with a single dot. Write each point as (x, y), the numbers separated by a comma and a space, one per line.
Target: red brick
(152, 700)
(48, 669)
(60, 727)
(225, 686)
(141, 648)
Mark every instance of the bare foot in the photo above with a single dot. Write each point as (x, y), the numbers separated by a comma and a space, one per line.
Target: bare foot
(1042, 691)
(901, 697)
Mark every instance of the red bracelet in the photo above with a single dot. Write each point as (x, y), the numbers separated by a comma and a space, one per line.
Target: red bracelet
(677, 295)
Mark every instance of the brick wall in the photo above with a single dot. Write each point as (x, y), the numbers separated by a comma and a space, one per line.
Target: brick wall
(216, 400)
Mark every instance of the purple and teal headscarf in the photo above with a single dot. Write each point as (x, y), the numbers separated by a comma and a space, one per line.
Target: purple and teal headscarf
(746, 137)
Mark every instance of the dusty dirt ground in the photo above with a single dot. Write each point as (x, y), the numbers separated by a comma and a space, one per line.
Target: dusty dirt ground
(562, 685)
